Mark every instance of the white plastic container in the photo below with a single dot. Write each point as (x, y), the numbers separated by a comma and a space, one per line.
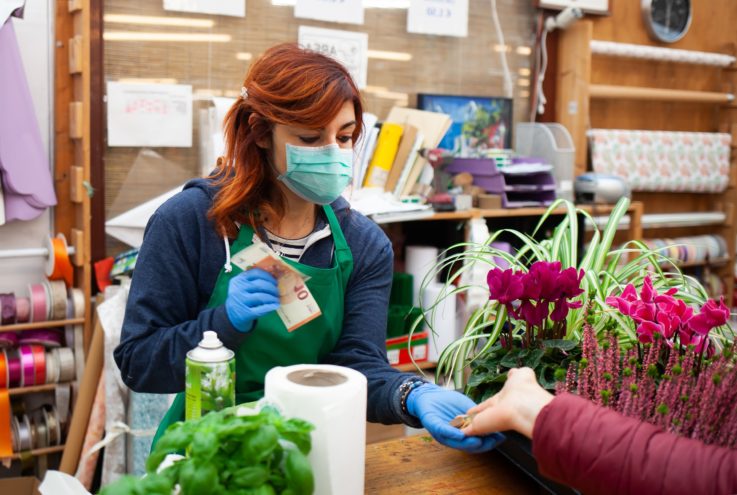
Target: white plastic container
(553, 143)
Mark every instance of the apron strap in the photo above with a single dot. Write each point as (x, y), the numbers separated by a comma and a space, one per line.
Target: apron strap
(343, 255)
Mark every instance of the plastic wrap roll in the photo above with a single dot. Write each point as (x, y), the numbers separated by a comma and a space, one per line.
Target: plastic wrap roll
(333, 399)
(442, 318)
(419, 260)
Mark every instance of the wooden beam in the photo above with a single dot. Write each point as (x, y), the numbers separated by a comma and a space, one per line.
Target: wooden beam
(572, 81)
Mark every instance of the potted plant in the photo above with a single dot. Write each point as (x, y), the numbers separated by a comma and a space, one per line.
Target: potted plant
(574, 318)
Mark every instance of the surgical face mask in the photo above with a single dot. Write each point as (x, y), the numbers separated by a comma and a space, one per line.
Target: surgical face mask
(318, 174)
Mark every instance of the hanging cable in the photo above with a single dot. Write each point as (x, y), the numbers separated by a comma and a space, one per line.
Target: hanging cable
(508, 88)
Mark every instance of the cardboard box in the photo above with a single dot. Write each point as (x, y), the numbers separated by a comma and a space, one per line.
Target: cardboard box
(26, 485)
(398, 353)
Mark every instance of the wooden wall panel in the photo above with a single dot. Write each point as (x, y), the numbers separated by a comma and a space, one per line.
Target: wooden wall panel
(451, 65)
(712, 30)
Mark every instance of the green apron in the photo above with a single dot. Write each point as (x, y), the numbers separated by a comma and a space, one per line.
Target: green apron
(269, 344)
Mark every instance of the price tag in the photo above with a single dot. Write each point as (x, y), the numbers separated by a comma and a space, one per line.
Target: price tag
(441, 17)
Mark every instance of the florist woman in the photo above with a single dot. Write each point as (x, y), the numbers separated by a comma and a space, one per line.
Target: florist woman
(288, 157)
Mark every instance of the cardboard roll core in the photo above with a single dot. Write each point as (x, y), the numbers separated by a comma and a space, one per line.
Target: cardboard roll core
(316, 378)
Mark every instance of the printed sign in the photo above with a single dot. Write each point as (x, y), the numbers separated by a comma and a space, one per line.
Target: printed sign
(347, 47)
(235, 8)
(441, 17)
(149, 115)
(347, 11)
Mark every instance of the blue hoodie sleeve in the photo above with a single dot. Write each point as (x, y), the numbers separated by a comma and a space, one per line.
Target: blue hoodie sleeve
(362, 345)
(165, 315)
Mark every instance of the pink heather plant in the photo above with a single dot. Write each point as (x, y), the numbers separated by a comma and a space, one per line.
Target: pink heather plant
(540, 294)
(661, 383)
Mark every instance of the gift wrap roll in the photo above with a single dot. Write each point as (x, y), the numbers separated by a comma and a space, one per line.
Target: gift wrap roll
(419, 261)
(333, 399)
(441, 313)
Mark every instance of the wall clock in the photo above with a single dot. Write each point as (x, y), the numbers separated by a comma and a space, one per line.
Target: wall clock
(666, 20)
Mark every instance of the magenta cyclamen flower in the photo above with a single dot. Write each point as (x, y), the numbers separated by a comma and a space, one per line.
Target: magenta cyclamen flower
(670, 317)
(543, 285)
(541, 282)
(712, 315)
(505, 286)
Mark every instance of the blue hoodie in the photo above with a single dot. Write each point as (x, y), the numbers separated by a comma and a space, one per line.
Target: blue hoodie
(176, 270)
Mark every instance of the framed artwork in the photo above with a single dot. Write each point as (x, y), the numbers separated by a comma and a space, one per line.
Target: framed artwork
(479, 123)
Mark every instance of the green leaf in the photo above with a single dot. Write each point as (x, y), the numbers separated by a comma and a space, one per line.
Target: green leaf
(156, 484)
(562, 344)
(533, 358)
(546, 377)
(204, 445)
(298, 473)
(250, 476)
(259, 444)
(125, 485)
(513, 357)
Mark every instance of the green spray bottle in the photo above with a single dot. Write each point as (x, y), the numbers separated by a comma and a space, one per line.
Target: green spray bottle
(210, 377)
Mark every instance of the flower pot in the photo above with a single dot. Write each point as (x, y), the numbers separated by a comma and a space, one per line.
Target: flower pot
(518, 449)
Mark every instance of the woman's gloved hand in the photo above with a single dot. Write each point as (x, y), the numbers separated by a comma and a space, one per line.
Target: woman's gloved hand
(435, 407)
(251, 294)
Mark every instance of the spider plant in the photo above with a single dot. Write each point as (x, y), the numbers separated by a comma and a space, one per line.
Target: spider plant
(607, 271)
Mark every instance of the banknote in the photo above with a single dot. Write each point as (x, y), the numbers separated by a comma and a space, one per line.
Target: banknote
(298, 306)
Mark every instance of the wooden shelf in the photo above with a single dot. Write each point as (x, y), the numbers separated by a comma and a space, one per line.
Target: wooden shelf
(46, 387)
(425, 365)
(712, 262)
(515, 212)
(41, 324)
(39, 452)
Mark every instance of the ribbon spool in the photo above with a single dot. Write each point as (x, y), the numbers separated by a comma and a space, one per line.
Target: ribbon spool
(39, 364)
(58, 266)
(28, 372)
(6, 434)
(52, 367)
(58, 300)
(8, 339)
(22, 440)
(39, 302)
(23, 310)
(65, 356)
(13, 362)
(46, 337)
(42, 433)
(3, 370)
(8, 309)
(52, 425)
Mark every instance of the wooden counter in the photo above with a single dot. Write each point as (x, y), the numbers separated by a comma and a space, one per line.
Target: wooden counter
(420, 465)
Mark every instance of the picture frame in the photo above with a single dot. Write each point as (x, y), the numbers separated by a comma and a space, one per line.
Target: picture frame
(479, 123)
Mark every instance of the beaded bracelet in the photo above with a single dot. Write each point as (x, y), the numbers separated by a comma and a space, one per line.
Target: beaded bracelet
(407, 387)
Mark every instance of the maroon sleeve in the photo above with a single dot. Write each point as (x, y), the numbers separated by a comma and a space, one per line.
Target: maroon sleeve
(596, 450)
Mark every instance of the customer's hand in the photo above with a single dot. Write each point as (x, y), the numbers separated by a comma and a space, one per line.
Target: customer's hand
(251, 294)
(435, 407)
(515, 407)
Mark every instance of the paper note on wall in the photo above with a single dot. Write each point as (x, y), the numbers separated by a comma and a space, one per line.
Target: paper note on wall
(441, 17)
(149, 115)
(347, 47)
(348, 11)
(235, 8)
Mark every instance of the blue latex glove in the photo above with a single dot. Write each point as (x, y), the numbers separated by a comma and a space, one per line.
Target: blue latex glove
(435, 407)
(251, 294)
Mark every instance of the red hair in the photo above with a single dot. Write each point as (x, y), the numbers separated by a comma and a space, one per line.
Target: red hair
(287, 85)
